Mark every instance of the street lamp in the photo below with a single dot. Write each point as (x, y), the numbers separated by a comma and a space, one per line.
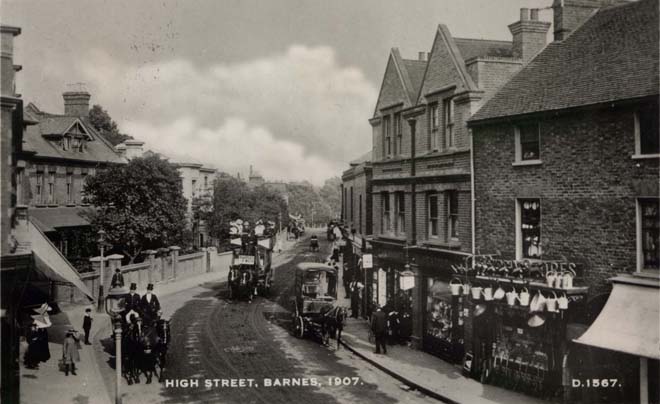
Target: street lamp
(102, 244)
(114, 306)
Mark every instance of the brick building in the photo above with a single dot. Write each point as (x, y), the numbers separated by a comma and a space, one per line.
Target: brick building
(421, 169)
(59, 152)
(197, 183)
(566, 169)
(356, 212)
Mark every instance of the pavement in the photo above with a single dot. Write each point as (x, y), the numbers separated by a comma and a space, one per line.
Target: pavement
(48, 385)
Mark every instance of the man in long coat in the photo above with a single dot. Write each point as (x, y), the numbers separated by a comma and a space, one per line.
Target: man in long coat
(150, 305)
(133, 300)
(379, 328)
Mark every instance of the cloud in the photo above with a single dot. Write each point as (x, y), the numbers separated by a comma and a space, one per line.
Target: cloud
(296, 115)
(233, 145)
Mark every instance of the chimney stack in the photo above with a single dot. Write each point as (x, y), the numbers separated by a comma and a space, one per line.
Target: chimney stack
(8, 69)
(421, 56)
(528, 34)
(76, 103)
(568, 15)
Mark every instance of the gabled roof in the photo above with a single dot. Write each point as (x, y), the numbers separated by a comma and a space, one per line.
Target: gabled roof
(612, 56)
(97, 149)
(446, 66)
(401, 81)
(471, 48)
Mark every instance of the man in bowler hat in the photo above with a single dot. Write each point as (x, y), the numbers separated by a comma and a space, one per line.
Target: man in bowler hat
(150, 304)
(379, 328)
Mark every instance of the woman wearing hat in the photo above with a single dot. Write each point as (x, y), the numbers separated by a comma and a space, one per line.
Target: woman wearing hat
(70, 354)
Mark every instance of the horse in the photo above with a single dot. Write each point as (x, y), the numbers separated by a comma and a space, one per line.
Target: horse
(155, 341)
(131, 351)
(332, 324)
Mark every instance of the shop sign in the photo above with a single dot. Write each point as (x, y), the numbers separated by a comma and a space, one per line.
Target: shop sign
(245, 260)
(367, 261)
(382, 287)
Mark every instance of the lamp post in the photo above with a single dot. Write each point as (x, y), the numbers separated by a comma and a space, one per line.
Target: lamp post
(102, 244)
(114, 306)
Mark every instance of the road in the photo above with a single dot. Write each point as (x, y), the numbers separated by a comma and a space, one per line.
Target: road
(214, 338)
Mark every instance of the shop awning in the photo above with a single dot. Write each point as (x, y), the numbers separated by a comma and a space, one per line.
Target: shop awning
(630, 320)
(51, 262)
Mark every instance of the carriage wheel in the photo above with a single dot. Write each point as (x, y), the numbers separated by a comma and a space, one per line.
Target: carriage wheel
(298, 327)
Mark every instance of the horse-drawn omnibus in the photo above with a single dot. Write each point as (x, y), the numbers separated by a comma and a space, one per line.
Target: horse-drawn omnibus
(315, 294)
(250, 270)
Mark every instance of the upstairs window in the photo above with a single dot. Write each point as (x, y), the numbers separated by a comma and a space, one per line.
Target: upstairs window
(434, 123)
(452, 215)
(398, 134)
(39, 191)
(194, 187)
(385, 209)
(448, 112)
(432, 201)
(648, 234)
(387, 129)
(66, 143)
(69, 188)
(646, 130)
(527, 142)
(51, 188)
(400, 207)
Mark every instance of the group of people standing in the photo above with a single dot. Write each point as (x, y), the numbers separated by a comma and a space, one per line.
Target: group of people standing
(146, 307)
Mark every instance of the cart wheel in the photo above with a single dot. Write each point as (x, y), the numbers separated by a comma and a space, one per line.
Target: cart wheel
(298, 327)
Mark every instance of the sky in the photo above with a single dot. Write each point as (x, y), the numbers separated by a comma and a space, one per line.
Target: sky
(287, 86)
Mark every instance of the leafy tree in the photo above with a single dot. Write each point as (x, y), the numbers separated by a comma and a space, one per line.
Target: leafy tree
(331, 194)
(140, 205)
(102, 122)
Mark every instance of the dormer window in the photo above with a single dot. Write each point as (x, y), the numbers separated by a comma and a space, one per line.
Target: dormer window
(66, 143)
(75, 144)
(82, 145)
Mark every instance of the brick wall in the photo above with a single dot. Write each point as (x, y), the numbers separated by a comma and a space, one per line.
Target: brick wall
(587, 182)
(359, 179)
(78, 175)
(489, 74)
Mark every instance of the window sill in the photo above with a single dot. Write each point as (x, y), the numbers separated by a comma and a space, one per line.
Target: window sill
(645, 156)
(527, 163)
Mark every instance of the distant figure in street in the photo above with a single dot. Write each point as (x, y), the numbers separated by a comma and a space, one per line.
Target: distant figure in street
(87, 324)
(70, 354)
(379, 328)
(347, 278)
(355, 289)
(149, 304)
(117, 279)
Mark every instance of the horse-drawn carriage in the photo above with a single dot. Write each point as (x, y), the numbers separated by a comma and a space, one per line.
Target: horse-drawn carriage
(144, 348)
(314, 243)
(315, 312)
(250, 270)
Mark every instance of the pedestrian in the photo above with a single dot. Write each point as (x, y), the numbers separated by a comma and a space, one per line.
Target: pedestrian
(31, 358)
(149, 304)
(347, 278)
(117, 279)
(87, 324)
(394, 327)
(355, 288)
(70, 354)
(133, 300)
(379, 328)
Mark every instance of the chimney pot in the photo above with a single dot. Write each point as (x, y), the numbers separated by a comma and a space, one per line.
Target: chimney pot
(534, 14)
(524, 14)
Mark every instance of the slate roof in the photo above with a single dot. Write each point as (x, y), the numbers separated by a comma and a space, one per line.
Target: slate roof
(611, 56)
(471, 48)
(96, 150)
(415, 70)
(365, 158)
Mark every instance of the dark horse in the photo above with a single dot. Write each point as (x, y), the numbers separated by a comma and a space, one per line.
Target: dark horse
(144, 348)
(332, 324)
(131, 351)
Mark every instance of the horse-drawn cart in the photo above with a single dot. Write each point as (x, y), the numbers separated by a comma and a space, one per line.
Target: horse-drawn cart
(315, 294)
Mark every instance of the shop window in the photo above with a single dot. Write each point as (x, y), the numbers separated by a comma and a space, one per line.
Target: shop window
(527, 142)
(400, 207)
(385, 209)
(648, 240)
(452, 215)
(448, 113)
(439, 318)
(433, 214)
(529, 228)
(434, 123)
(647, 135)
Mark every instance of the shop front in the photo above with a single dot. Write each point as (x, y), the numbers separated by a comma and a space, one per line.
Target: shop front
(519, 314)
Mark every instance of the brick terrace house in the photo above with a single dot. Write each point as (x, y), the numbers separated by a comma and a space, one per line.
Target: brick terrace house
(566, 168)
(356, 196)
(59, 152)
(421, 169)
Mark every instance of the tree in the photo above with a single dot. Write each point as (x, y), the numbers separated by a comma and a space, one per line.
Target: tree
(102, 122)
(233, 199)
(331, 194)
(140, 205)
